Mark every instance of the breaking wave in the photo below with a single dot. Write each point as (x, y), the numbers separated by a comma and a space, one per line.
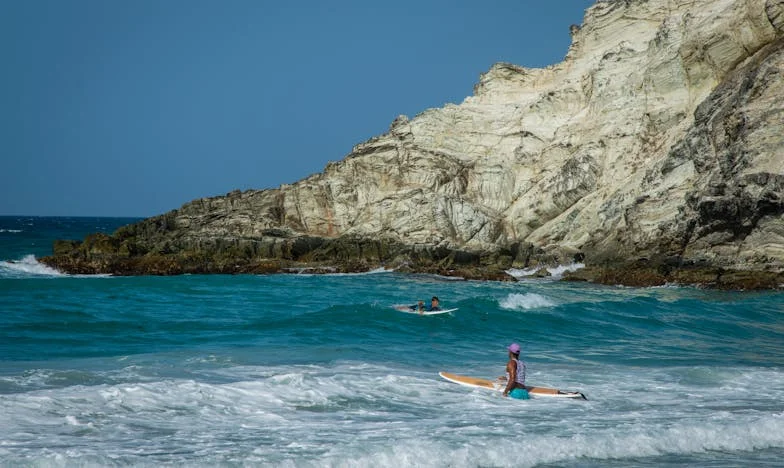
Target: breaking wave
(556, 272)
(527, 301)
(27, 266)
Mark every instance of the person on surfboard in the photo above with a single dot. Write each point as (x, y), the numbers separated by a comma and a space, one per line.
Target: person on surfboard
(421, 307)
(515, 374)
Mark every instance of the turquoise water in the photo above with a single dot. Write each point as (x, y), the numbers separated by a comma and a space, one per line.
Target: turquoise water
(299, 370)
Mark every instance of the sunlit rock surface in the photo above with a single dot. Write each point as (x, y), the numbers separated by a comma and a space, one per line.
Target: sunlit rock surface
(658, 141)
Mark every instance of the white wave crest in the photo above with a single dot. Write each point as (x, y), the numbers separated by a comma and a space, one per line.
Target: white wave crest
(556, 272)
(527, 301)
(331, 271)
(14, 231)
(27, 266)
(312, 413)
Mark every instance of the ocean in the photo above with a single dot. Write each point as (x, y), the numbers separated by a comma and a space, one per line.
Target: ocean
(320, 370)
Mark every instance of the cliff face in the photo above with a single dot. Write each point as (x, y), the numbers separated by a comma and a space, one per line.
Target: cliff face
(659, 139)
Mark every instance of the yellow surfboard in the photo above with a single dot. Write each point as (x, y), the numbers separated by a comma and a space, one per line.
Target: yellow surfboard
(499, 386)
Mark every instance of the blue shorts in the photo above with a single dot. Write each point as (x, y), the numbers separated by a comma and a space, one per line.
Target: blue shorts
(519, 393)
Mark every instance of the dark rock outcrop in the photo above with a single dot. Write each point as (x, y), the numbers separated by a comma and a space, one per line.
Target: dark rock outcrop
(654, 154)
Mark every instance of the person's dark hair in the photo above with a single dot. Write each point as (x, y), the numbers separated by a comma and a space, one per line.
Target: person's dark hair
(435, 298)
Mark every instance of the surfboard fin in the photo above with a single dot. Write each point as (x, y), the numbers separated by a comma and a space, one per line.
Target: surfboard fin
(582, 395)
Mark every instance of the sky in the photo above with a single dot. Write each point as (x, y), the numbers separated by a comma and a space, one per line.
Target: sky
(133, 108)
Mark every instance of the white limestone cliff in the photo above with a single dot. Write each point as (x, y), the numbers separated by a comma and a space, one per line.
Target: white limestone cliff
(661, 133)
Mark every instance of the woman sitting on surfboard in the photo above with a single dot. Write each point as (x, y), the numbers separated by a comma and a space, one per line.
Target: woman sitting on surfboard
(421, 307)
(515, 374)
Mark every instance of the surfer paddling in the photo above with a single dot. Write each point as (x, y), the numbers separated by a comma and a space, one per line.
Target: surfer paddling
(421, 307)
(515, 374)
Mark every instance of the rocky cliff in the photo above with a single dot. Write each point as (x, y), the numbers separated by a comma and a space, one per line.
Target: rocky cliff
(654, 152)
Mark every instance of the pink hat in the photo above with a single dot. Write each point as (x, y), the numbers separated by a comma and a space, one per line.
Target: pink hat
(514, 348)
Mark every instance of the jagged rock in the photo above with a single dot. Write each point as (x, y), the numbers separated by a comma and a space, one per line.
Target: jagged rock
(659, 139)
(656, 275)
(774, 9)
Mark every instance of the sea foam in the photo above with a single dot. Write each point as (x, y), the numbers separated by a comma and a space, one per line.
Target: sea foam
(332, 271)
(527, 301)
(347, 414)
(556, 272)
(27, 266)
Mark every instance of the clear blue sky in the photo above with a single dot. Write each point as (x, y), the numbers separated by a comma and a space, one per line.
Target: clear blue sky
(132, 108)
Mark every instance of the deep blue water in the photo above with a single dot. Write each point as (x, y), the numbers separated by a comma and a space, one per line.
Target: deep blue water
(299, 370)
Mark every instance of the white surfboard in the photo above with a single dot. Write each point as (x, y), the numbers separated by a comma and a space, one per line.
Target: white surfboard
(407, 310)
(498, 386)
